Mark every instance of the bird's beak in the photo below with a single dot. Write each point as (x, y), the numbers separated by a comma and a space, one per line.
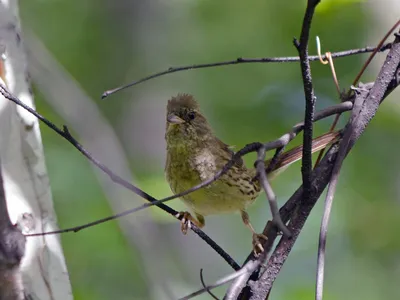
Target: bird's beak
(174, 119)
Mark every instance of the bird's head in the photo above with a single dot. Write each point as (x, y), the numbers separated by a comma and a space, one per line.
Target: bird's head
(185, 123)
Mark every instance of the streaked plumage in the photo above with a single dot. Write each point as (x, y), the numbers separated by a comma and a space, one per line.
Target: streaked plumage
(195, 154)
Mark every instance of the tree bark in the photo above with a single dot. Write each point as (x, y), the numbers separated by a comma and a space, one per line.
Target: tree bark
(42, 272)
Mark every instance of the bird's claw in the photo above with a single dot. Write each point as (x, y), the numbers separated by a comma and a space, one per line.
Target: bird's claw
(186, 221)
(257, 245)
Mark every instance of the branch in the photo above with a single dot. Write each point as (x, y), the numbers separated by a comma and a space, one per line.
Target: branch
(241, 60)
(302, 48)
(247, 269)
(271, 197)
(205, 286)
(371, 57)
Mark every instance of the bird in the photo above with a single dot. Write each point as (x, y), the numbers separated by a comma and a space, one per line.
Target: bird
(195, 154)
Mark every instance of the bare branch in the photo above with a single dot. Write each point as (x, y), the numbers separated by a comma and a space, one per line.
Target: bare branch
(262, 177)
(371, 57)
(204, 286)
(241, 60)
(249, 268)
(302, 48)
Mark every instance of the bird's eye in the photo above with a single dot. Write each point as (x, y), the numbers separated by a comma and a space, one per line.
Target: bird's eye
(191, 115)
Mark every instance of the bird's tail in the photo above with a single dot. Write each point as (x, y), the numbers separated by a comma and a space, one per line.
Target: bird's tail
(295, 154)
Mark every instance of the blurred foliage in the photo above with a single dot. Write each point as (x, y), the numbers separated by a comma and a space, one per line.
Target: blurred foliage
(104, 44)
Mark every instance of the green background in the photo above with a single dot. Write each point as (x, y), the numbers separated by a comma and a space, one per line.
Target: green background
(103, 44)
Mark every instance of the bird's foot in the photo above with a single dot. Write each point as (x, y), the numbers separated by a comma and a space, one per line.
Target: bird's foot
(257, 237)
(257, 244)
(187, 220)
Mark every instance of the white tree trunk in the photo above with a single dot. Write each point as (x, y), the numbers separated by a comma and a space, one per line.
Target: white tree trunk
(43, 269)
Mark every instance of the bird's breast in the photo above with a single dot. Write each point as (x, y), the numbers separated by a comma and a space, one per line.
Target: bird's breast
(204, 162)
(232, 192)
(186, 168)
(179, 169)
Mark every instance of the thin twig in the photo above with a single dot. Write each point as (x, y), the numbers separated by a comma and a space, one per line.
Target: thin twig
(375, 51)
(325, 219)
(115, 178)
(242, 61)
(380, 44)
(329, 60)
(204, 286)
(246, 269)
(251, 266)
(262, 177)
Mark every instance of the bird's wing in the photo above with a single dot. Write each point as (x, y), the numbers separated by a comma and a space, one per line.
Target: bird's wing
(295, 154)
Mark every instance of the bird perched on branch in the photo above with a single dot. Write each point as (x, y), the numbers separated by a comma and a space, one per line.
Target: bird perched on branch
(195, 154)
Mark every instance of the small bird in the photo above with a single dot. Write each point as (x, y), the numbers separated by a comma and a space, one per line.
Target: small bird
(195, 154)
